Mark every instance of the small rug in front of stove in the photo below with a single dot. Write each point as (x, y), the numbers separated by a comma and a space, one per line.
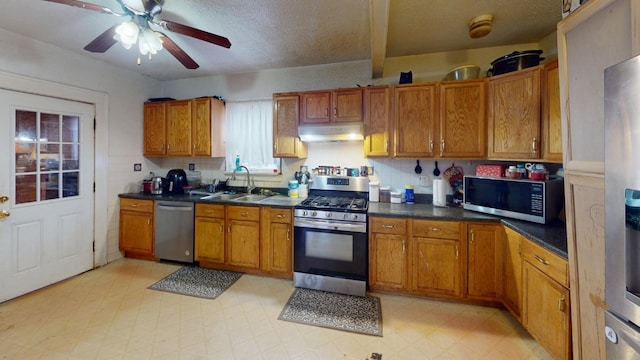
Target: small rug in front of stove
(198, 282)
(335, 311)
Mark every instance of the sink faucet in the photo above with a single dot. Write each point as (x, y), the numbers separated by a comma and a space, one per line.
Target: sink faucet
(251, 184)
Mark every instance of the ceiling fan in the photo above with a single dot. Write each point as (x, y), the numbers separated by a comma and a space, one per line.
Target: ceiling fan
(139, 29)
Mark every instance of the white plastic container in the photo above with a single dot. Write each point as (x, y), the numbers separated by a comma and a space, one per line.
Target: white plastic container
(396, 197)
(303, 191)
(293, 188)
(374, 191)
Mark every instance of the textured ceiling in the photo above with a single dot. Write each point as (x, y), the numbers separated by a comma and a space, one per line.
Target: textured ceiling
(268, 34)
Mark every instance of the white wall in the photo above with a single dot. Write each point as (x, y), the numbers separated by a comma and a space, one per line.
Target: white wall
(125, 92)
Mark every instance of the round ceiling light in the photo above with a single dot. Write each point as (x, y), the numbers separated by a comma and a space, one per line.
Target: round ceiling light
(480, 26)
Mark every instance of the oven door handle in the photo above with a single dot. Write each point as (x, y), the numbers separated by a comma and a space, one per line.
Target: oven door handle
(331, 225)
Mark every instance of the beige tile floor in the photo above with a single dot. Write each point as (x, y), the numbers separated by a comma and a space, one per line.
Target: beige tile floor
(109, 313)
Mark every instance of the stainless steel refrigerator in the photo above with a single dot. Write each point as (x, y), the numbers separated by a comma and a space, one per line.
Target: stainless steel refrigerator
(622, 209)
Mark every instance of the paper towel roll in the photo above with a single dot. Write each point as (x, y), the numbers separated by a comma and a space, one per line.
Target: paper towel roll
(439, 192)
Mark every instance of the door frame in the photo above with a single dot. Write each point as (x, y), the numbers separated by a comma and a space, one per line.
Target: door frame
(99, 100)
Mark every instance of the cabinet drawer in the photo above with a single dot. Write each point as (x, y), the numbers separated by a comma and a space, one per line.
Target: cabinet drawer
(212, 211)
(280, 216)
(436, 229)
(136, 205)
(243, 213)
(549, 263)
(388, 225)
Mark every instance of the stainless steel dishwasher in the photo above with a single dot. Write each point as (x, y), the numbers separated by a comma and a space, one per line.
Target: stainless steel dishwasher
(174, 231)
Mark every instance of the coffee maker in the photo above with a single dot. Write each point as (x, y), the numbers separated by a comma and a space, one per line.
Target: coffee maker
(176, 180)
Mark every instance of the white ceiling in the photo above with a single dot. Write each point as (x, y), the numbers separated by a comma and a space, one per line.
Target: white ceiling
(270, 34)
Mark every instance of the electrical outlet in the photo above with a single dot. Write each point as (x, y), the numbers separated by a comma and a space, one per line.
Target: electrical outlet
(424, 180)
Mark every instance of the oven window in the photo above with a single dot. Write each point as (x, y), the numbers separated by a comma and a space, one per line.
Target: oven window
(329, 246)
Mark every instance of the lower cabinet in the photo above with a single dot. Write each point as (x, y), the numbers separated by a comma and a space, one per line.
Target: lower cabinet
(136, 228)
(209, 233)
(484, 273)
(243, 236)
(388, 253)
(277, 241)
(512, 273)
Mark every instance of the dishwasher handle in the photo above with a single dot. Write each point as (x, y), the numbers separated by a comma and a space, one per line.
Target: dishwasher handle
(174, 208)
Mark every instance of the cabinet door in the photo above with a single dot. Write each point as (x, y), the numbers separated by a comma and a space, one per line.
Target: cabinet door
(551, 121)
(209, 239)
(243, 243)
(155, 128)
(315, 107)
(179, 128)
(201, 127)
(546, 311)
(388, 261)
(280, 248)
(136, 233)
(463, 120)
(512, 273)
(377, 126)
(484, 261)
(286, 142)
(347, 105)
(436, 266)
(514, 115)
(414, 119)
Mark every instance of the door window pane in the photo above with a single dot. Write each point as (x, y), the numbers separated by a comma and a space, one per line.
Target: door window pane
(70, 128)
(70, 156)
(26, 186)
(70, 184)
(49, 186)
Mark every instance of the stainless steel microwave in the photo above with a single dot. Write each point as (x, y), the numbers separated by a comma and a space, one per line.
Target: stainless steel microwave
(536, 201)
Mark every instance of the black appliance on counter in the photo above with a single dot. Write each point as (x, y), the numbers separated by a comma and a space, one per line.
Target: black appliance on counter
(330, 242)
(176, 180)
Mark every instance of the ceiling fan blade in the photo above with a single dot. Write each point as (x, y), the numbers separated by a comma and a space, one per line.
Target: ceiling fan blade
(84, 5)
(178, 53)
(194, 33)
(104, 41)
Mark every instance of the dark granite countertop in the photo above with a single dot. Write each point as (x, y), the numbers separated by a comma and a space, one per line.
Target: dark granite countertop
(552, 236)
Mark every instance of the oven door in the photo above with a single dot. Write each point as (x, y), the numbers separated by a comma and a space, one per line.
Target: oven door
(331, 248)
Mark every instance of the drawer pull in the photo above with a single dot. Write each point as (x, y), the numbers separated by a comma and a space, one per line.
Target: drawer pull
(388, 226)
(541, 260)
(208, 211)
(434, 229)
(134, 205)
(280, 216)
(244, 213)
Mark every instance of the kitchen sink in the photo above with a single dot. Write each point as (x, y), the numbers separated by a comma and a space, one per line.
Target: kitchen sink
(251, 198)
(221, 196)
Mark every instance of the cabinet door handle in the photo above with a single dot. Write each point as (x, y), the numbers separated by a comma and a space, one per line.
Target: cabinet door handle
(441, 147)
(404, 246)
(562, 304)
(534, 147)
(430, 145)
(326, 111)
(473, 237)
(335, 111)
(388, 226)
(275, 146)
(288, 232)
(148, 221)
(457, 252)
(229, 229)
(221, 229)
(541, 259)
(386, 145)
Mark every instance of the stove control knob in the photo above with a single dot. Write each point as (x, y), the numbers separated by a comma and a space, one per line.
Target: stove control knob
(304, 212)
(345, 216)
(355, 217)
(313, 213)
(328, 215)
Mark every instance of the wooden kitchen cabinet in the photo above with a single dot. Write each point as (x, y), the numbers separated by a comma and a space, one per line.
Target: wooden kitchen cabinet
(155, 129)
(484, 276)
(436, 258)
(414, 120)
(388, 253)
(209, 234)
(377, 125)
(545, 312)
(512, 273)
(286, 111)
(136, 228)
(514, 115)
(243, 236)
(551, 120)
(193, 127)
(277, 240)
(332, 106)
(462, 123)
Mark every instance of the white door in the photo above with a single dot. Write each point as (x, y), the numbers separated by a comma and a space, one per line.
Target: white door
(46, 191)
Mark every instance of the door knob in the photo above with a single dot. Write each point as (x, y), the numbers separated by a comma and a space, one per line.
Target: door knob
(4, 199)
(4, 214)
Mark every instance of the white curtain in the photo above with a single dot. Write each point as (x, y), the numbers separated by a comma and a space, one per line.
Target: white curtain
(250, 135)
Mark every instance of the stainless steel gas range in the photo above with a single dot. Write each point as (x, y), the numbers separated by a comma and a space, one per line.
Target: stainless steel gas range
(330, 238)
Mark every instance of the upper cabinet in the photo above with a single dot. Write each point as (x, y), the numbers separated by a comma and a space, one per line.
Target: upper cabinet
(286, 111)
(377, 127)
(414, 120)
(514, 115)
(323, 107)
(551, 121)
(463, 119)
(184, 128)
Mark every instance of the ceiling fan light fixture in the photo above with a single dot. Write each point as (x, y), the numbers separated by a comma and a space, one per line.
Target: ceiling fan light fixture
(127, 34)
(149, 42)
(480, 26)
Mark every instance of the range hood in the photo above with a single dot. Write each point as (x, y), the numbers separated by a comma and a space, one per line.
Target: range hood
(352, 131)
